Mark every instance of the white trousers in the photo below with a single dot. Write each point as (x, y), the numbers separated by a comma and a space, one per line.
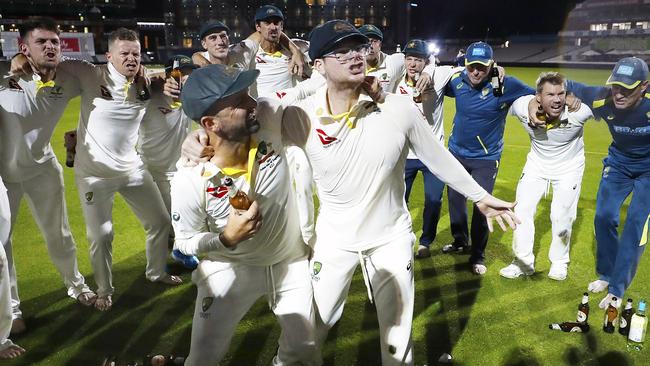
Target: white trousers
(6, 317)
(531, 188)
(388, 271)
(163, 182)
(141, 194)
(226, 296)
(302, 177)
(46, 199)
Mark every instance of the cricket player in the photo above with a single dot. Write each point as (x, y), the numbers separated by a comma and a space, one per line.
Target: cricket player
(556, 159)
(113, 103)
(477, 142)
(162, 131)
(247, 253)
(31, 105)
(624, 104)
(430, 103)
(7, 348)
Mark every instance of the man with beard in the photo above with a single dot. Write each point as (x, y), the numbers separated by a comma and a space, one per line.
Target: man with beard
(30, 107)
(248, 253)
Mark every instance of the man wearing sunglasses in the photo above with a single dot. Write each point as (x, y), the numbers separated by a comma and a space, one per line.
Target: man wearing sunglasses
(624, 104)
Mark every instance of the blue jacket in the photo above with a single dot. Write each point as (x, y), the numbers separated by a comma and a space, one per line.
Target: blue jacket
(480, 117)
(630, 129)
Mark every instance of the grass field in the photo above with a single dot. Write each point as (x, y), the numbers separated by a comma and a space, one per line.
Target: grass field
(480, 321)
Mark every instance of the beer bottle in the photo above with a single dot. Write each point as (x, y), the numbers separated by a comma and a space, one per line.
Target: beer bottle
(177, 75)
(638, 327)
(417, 96)
(570, 327)
(583, 309)
(497, 85)
(70, 143)
(626, 317)
(238, 199)
(610, 316)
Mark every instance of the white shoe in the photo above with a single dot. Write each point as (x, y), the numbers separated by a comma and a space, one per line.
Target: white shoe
(479, 269)
(514, 271)
(558, 272)
(597, 286)
(604, 303)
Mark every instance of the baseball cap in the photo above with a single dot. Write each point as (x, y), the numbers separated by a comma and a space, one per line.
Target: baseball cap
(416, 47)
(210, 84)
(325, 37)
(479, 53)
(629, 72)
(370, 30)
(183, 62)
(211, 27)
(268, 11)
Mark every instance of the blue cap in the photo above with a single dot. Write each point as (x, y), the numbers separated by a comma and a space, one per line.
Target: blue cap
(325, 37)
(416, 47)
(268, 11)
(479, 53)
(210, 84)
(211, 27)
(184, 62)
(370, 30)
(629, 72)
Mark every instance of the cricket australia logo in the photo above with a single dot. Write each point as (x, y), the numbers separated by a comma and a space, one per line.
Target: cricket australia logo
(13, 85)
(89, 197)
(316, 267)
(205, 305)
(264, 152)
(164, 110)
(106, 94)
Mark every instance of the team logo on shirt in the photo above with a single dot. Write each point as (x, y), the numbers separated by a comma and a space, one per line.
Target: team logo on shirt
(610, 117)
(106, 94)
(217, 192)
(317, 267)
(206, 303)
(259, 60)
(164, 110)
(324, 139)
(56, 91)
(89, 197)
(485, 92)
(409, 265)
(648, 115)
(13, 85)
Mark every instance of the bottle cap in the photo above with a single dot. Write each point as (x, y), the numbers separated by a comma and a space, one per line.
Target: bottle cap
(642, 305)
(585, 294)
(227, 181)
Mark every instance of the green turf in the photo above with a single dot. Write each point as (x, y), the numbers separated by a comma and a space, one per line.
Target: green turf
(480, 321)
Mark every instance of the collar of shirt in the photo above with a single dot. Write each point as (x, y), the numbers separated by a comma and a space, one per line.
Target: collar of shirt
(325, 117)
(381, 63)
(208, 169)
(563, 118)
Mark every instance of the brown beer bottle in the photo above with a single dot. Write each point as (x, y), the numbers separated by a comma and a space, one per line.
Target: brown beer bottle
(570, 327)
(583, 309)
(177, 75)
(611, 314)
(238, 199)
(626, 317)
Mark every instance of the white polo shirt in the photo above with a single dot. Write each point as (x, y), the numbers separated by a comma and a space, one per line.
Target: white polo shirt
(559, 150)
(359, 163)
(200, 205)
(28, 119)
(162, 132)
(390, 70)
(109, 120)
(432, 99)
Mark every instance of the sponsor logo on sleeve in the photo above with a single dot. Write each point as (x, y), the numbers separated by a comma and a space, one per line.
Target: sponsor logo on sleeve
(324, 138)
(176, 216)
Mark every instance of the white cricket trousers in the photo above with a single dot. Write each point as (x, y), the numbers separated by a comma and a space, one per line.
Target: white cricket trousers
(302, 177)
(46, 199)
(163, 182)
(6, 317)
(141, 194)
(225, 296)
(388, 273)
(531, 188)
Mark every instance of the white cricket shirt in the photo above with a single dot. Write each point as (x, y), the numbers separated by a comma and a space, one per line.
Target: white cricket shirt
(558, 150)
(391, 69)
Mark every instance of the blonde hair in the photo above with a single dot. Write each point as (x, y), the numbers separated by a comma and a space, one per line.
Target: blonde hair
(551, 77)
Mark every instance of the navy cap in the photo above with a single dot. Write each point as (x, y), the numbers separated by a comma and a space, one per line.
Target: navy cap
(183, 63)
(268, 11)
(370, 30)
(210, 84)
(629, 72)
(479, 53)
(417, 47)
(325, 37)
(212, 27)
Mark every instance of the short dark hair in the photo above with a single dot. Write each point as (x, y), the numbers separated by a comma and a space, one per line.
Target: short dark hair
(551, 77)
(123, 34)
(46, 23)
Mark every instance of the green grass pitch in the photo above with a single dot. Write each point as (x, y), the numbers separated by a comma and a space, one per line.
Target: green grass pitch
(480, 321)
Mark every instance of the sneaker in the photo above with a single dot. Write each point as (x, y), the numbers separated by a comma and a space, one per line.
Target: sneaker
(597, 286)
(188, 261)
(423, 252)
(455, 248)
(604, 303)
(479, 269)
(514, 271)
(558, 272)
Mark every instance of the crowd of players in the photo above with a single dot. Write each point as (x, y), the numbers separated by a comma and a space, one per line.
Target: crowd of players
(279, 117)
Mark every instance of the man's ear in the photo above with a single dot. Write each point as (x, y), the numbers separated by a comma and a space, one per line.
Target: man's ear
(208, 122)
(538, 98)
(319, 66)
(644, 86)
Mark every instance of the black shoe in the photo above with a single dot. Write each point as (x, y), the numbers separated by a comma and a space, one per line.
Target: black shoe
(455, 248)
